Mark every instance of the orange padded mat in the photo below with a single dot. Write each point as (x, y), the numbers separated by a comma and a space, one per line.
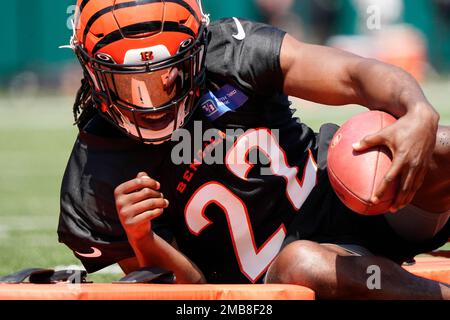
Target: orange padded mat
(437, 269)
(432, 268)
(153, 292)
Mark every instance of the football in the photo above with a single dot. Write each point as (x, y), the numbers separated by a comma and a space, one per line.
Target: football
(355, 176)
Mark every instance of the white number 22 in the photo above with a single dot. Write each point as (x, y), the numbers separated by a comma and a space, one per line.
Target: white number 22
(253, 261)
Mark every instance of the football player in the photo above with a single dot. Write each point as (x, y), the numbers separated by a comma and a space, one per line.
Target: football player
(158, 76)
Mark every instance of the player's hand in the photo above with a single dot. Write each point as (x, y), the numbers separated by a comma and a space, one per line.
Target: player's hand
(138, 202)
(412, 141)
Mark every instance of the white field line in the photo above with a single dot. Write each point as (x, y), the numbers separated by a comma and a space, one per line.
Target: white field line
(4, 232)
(29, 223)
(45, 225)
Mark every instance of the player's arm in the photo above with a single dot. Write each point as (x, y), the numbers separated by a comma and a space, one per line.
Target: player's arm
(334, 77)
(138, 202)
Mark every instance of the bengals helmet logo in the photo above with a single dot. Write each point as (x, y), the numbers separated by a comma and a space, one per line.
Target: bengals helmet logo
(147, 56)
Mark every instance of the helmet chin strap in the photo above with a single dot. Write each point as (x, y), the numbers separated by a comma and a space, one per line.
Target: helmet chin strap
(71, 44)
(205, 16)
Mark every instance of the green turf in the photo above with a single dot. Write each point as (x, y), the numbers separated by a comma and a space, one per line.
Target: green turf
(36, 136)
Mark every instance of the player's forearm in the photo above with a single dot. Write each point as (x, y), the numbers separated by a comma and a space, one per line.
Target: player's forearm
(384, 87)
(155, 251)
(334, 77)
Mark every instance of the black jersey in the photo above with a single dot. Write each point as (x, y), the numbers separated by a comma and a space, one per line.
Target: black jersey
(230, 217)
(240, 183)
(241, 241)
(102, 158)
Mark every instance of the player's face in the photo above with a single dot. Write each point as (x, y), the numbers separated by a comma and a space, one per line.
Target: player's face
(145, 104)
(145, 90)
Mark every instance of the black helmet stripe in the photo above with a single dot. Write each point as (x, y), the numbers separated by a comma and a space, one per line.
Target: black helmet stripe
(185, 5)
(83, 4)
(135, 3)
(149, 26)
(109, 9)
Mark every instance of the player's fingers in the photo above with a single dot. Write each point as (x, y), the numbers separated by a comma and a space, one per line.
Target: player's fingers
(405, 191)
(411, 182)
(146, 205)
(417, 184)
(142, 174)
(150, 204)
(370, 141)
(407, 200)
(420, 178)
(138, 196)
(145, 216)
(137, 184)
(388, 179)
(408, 182)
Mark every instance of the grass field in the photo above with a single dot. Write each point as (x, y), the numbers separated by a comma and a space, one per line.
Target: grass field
(36, 137)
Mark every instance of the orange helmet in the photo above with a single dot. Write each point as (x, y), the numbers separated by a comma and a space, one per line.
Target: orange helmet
(144, 60)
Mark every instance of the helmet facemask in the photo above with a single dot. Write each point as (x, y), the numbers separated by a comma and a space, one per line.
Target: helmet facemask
(152, 99)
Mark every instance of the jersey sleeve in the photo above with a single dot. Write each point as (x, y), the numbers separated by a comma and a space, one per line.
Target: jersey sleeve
(247, 53)
(88, 223)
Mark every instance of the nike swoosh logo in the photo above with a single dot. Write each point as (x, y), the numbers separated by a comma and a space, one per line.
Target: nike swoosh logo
(241, 32)
(95, 254)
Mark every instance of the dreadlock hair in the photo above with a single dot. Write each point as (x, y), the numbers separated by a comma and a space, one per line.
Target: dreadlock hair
(84, 107)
